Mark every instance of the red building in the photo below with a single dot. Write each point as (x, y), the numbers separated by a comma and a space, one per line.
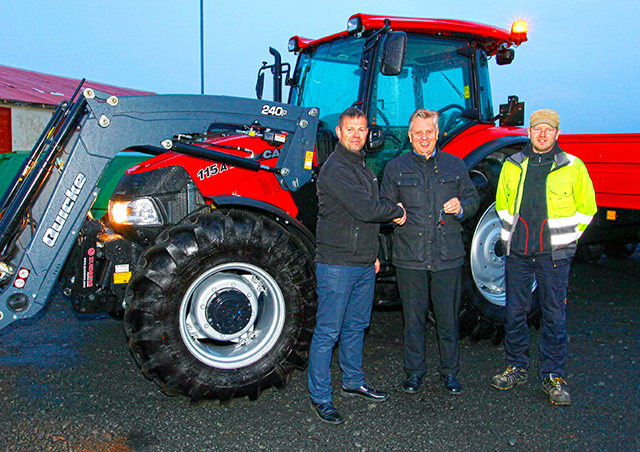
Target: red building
(28, 99)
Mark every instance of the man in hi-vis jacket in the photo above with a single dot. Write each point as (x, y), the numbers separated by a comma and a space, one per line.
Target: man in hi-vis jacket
(545, 200)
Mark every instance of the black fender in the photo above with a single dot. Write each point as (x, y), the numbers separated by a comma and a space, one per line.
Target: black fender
(483, 151)
(274, 212)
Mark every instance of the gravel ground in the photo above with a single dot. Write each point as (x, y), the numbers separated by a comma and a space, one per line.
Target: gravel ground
(69, 383)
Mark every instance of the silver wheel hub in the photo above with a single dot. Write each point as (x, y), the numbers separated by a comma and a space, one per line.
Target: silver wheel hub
(488, 260)
(232, 315)
(227, 306)
(487, 265)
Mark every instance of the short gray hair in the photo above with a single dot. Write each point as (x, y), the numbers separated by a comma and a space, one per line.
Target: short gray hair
(423, 113)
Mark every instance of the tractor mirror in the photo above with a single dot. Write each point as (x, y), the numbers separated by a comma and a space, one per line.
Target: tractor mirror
(260, 85)
(375, 139)
(395, 48)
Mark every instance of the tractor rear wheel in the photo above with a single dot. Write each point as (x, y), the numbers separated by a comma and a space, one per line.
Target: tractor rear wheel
(483, 311)
(222, 306)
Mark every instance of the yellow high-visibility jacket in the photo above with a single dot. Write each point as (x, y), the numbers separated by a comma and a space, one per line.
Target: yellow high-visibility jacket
(571, 201)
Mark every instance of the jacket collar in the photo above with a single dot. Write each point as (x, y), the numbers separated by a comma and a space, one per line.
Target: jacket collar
(355, 157)
(558, 155)
(422, 160)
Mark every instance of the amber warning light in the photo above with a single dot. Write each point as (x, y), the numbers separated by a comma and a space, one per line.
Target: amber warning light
(519, 31)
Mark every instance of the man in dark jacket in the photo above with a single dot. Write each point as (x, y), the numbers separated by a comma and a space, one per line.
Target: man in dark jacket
(346, 264)
(428, 253)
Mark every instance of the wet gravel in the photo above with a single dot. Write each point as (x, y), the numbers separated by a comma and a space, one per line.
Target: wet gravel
(69, 383)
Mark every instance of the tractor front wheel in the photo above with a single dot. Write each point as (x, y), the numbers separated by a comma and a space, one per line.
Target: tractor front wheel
(222, 306)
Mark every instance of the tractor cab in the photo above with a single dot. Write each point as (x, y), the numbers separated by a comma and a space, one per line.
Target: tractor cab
(389, 67)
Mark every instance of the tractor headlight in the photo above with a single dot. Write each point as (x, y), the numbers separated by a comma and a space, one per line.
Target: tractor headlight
(140, 211)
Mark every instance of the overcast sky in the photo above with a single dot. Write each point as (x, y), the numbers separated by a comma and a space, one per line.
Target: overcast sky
(581, 59)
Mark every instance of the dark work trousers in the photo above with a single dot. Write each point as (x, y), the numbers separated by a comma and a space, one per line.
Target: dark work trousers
(552, 278)
(419, 289)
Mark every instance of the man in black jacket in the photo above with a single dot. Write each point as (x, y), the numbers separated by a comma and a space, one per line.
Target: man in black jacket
(346, 265)
(428, 253)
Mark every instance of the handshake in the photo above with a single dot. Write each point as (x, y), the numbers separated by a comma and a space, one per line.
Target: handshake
(400, 220)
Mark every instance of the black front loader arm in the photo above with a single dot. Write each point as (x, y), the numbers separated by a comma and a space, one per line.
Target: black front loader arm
(40, 223)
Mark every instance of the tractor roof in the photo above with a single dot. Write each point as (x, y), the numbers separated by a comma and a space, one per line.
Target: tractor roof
(490, 37)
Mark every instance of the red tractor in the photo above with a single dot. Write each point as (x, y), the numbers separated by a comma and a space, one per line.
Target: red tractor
(207, 249)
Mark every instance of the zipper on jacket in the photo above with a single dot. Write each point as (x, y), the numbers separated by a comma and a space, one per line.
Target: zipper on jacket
(355, 240)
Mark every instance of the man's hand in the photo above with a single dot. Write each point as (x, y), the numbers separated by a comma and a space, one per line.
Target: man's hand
(377, 265)
(400, 220)
(452, 206)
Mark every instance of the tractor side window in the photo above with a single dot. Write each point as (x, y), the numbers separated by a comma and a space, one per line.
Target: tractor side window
(329, 78)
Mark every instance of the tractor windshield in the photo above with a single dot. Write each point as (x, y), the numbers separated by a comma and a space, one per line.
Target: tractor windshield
(437, 75)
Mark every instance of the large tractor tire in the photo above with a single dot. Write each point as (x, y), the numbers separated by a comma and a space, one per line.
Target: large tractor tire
(222, 306)
(483, 311)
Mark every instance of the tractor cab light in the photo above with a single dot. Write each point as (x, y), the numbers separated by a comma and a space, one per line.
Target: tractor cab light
(354, 25)
(294, 44)
(519, 31)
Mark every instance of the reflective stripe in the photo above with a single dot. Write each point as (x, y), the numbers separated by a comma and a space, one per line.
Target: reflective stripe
(563, 239)
(578, 233)
(505, 234)
(583, 218)
(564, 230)
(563, 222)
(505, 215)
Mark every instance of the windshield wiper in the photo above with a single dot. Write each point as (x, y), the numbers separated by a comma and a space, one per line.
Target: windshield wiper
(453, 85)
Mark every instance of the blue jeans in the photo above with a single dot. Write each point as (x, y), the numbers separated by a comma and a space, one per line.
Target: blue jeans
(345, 299)
(552, 278)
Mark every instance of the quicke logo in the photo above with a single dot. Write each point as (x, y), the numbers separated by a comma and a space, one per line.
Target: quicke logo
(70, 197)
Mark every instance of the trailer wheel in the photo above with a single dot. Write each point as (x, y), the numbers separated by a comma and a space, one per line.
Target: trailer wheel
(222, 306)
(589, 254)
(483, 311)
(620, 250)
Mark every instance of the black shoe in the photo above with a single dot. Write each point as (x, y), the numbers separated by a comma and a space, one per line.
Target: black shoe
(411, 384)
(451, 384)
(367, 392)
(327, 413)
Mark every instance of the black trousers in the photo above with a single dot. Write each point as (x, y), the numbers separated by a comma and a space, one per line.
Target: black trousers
(419, 289)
